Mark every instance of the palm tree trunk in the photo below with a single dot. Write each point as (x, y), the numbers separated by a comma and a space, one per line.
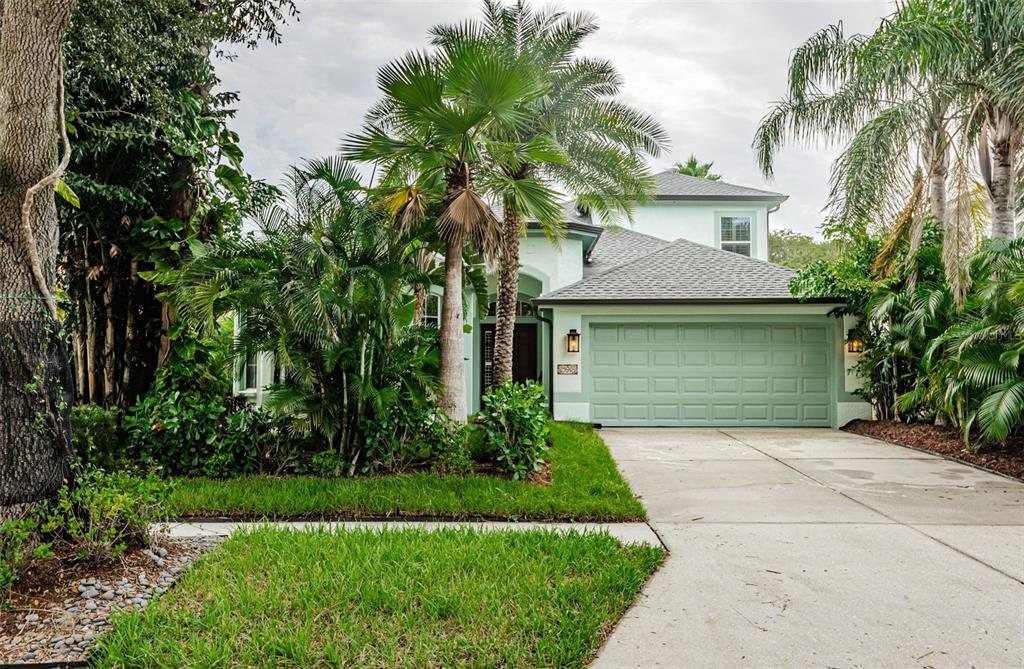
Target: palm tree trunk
(453, 397)
(1002, 189)
(508, 295)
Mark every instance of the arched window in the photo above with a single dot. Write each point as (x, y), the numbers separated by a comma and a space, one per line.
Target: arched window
(522, 309)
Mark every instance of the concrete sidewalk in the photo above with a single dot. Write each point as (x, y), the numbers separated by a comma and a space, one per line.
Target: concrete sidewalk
(624, 532)
(818, 548)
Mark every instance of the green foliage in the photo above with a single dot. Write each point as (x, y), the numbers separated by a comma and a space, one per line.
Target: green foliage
(389, 600)
(327, 464)
(96, 438)
(104, 514)
(926, 356)
(326, 289)
(514, 421)
(796, 251)
(694, 168)
(19, 543)
(175, 430)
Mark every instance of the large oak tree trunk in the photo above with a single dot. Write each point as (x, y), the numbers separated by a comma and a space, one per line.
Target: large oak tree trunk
(453, 399)
(35, 379)
(508, 295)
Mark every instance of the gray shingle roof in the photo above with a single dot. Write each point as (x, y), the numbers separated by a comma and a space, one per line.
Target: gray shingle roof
(672, 185)
(681, 272)
(617, 246)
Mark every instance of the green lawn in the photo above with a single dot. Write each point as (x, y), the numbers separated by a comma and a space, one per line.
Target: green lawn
(585, 485)
(405, 598)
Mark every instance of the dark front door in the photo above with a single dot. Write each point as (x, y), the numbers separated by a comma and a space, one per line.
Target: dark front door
(524, 354)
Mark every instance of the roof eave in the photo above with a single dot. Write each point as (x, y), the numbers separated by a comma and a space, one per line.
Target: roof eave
(767, 197)
(671, 300)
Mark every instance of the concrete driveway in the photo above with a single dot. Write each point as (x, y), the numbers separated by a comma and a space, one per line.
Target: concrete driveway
(818, 548)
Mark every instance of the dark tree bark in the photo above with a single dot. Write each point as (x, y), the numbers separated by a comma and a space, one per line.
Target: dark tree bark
(35, 379)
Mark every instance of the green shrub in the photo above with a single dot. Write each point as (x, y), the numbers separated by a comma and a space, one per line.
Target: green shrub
(408, 435)
(327, 464)
(258, 442)
(450, 456)
(19, 542)
(514, 422)
(96, 439)
(106, 513)
(176, 431)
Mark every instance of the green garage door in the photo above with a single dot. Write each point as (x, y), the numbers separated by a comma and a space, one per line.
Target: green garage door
(709, 374)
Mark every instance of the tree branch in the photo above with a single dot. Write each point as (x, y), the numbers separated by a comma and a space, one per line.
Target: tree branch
(49, 180)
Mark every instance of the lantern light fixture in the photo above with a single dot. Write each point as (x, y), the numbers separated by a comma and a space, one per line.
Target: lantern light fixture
(854, 344)
(572, 341)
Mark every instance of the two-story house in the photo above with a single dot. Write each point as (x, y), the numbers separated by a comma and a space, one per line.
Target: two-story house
(677, 319)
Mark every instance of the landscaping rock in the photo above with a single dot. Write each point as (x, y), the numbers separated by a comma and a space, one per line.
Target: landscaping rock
(62, 629)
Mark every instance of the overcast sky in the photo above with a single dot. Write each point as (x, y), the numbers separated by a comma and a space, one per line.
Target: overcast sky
(708, 71)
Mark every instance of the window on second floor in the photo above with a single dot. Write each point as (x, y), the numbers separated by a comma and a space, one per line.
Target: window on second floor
(432, 310)
(734, 233)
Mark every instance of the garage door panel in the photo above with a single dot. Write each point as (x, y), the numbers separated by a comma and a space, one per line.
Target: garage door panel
(710, 374)
(636, 385)
(665, 358)
(669, 412)
(668, 384)
(755, 412)
(635, 358)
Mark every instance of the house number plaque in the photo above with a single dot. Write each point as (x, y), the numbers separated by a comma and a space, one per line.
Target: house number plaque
(571, 370)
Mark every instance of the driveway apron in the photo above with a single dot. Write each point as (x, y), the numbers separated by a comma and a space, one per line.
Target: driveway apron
(817, 548)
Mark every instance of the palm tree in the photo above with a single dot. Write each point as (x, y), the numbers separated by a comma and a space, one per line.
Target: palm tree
(577, 136)
(434, 124)
(694, 168)
(324, 288)
(909, 102)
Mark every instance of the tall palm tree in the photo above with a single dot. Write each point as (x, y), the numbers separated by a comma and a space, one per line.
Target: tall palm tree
(909, 102)
(694, 168)
(578, 136)
(434, 124)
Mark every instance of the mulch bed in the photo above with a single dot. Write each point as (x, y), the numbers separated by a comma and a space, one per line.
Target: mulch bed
(1007, 459)
(60, 606)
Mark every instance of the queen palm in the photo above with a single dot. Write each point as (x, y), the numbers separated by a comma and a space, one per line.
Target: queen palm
(910, 102)
(433, 130)
(578, 136)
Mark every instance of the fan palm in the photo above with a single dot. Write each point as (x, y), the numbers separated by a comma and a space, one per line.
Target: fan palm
(694, 168)
(325, 288)
(577, 136)
(433, 125)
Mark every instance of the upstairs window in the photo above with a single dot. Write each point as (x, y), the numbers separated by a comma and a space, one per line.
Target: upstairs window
(734, 233)
(432, 310)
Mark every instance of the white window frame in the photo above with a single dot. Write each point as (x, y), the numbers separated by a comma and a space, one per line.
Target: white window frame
(751, 243)
(432, 320)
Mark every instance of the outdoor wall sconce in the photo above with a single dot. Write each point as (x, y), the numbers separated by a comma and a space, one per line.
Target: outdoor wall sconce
(854, 344)
(572, 341)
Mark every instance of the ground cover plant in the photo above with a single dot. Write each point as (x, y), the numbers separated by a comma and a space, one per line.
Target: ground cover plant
(450, 598)
(585, 485)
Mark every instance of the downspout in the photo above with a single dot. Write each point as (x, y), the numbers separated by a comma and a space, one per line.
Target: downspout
(551, 358)
(768, 228)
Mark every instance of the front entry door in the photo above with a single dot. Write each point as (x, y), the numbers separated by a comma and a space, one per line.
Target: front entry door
(524, 354)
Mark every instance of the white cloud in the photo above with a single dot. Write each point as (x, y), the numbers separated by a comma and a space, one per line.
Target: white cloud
(707, 70)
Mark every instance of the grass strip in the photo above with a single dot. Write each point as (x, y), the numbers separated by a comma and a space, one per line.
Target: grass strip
(585, 486)
(396, 598)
